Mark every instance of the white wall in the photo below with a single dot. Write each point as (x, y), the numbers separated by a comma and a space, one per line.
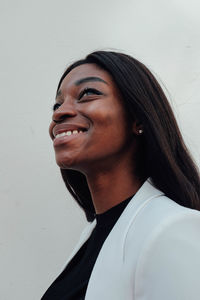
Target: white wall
(40, 223)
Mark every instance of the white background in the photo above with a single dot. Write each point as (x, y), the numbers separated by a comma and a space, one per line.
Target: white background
(39, 222)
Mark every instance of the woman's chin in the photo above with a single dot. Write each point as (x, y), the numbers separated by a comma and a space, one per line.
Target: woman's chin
(65, 162)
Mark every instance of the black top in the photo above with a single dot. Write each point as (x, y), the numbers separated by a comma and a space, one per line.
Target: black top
(72, 283)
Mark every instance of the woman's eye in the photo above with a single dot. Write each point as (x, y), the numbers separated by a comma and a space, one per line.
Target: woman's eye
(55, 106)
(88, 92)
(85, 92)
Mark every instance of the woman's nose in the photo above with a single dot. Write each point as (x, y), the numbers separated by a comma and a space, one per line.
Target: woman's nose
(66, 110)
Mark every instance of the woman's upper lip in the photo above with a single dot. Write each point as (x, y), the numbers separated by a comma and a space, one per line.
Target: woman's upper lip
(67, 126)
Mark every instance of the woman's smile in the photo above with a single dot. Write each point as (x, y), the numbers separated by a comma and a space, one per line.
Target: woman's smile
(66, 132)
(66, 136)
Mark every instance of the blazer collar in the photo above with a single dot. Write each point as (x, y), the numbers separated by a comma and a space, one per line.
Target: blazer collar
(145, 193)
(113, 247)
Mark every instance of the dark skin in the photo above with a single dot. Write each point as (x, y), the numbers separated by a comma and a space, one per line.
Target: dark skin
(106, 149)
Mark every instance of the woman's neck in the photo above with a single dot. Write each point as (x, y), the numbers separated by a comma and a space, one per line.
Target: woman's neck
(111, 187)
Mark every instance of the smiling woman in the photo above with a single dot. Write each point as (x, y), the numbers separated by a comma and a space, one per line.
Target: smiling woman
(123, 159)
(90, 103)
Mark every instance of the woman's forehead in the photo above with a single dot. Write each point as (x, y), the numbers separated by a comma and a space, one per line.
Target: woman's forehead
(79, 73)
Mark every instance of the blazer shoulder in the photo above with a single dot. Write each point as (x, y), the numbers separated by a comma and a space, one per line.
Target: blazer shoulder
(151, 217)
(168, 266)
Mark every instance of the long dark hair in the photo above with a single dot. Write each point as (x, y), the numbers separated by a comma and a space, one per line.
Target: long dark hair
(164, 156)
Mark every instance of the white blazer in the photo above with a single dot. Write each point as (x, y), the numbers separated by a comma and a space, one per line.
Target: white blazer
(151, 253)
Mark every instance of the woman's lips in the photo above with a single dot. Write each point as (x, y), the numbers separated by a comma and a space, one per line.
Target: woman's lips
(60, 140)
(65, 127)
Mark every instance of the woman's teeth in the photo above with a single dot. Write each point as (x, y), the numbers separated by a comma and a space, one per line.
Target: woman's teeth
(69, 132)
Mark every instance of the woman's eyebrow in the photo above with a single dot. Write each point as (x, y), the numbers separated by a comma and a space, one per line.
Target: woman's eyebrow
(87, 79)
(82, 80)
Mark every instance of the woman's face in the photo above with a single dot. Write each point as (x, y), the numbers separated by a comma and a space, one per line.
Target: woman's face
(91, 129)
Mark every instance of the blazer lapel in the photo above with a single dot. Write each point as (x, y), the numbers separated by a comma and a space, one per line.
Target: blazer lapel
(105, 280)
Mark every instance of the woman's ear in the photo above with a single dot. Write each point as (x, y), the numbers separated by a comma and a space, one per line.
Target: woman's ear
(137, 128)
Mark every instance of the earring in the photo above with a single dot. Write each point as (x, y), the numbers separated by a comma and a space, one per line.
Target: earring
(140, 131)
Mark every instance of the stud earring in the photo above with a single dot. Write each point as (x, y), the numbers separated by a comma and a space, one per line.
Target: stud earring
(140, 131)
